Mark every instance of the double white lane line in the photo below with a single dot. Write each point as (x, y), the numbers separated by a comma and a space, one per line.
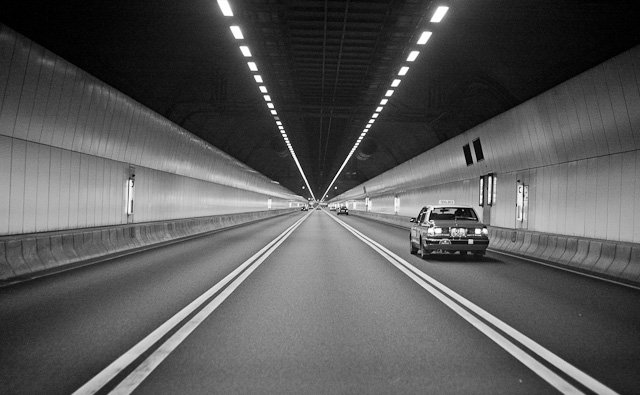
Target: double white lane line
(231, 282)
(501, 333)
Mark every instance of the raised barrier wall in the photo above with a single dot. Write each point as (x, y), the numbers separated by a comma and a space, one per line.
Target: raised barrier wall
(25, 256)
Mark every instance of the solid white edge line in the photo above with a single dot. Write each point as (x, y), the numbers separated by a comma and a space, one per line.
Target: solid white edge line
(107, 374)
(135, 378)
(550, 357)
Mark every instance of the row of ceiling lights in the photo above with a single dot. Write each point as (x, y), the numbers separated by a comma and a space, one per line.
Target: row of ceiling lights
(225, 7)
(438, 15)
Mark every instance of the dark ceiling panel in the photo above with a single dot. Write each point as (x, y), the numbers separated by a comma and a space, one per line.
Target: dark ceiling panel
(327, 65)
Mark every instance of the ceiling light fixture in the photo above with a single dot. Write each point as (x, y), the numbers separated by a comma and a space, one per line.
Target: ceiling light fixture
(225, 8)
(245, 51)
(252, 66)
(237, 33)
(424, 38)
(439, 14)
(403, 70)
(412, 56)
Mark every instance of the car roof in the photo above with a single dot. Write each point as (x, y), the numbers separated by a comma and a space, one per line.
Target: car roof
(449, 205)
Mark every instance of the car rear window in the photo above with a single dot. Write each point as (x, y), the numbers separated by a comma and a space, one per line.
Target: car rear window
(453, 213)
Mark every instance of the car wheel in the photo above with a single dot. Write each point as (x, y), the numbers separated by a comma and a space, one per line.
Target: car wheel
(478, 255)
(412, 249)
(423, 254)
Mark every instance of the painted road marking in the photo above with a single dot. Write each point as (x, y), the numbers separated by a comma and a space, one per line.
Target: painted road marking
(142, 371)
(449, 297)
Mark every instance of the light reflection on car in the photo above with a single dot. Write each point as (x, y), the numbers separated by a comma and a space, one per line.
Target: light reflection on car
(448, 229)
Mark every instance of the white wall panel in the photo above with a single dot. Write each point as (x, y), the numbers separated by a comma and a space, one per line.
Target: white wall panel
(614, 174)
(13, 74)
(30, 188)
(571, 211)
(537, 147)
(62, 80)
(27, 91)
(629, 68)
(6, 56)
(64, 213)
(606, 121)
(42, 86)
(584, 198)
(618, 104)
(81, 120)
(636, 203)
(567, 121)
(581, 124)
(591, 204)
(591, 82)
(42, 187)
(75, 78)
(18, 177)
(53, 197)
(6, 145)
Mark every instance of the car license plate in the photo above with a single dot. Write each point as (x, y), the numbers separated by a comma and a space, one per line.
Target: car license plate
(470, 241)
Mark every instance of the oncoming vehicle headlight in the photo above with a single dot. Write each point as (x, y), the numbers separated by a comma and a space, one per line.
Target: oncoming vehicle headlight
(485, 232)
(477, 231)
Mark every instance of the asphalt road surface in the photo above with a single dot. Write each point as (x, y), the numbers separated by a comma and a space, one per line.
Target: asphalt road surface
(312, 303)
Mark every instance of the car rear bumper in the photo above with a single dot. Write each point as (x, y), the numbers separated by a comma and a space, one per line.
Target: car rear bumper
(445, 244)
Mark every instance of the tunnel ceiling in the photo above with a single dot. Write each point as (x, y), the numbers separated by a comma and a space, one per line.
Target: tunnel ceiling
(327, 65)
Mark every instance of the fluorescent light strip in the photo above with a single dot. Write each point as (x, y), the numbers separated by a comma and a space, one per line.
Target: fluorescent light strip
(439, 14)
(424, 38)
(237, 34)
(413, 55)
(225, 8)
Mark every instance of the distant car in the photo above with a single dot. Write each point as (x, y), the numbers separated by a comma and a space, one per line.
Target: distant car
(448, 229)
(343, 210)
(305, 208)
(332, 208)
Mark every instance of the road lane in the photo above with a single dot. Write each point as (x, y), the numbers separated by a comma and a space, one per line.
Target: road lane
(324, 314)
(59, 331)
(593, 324)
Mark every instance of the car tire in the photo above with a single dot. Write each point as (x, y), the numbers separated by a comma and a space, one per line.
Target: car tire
(412, 249)
(478, 255)
(421, 250)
